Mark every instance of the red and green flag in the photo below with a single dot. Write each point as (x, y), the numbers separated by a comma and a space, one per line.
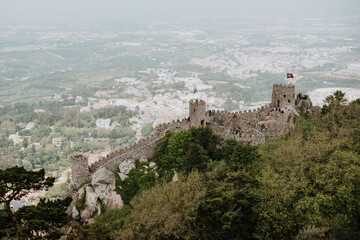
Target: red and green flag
(289, 75)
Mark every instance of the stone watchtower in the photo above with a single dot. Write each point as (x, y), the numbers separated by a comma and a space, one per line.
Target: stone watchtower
(197, 113)
(283, 95)
(80, 173)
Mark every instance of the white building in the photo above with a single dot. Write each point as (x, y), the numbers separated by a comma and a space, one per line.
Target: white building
(56, 142)
(103, 123)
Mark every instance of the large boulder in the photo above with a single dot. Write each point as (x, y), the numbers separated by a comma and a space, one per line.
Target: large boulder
(103, 176)
(152, 165)
(126, 166)
(176, 176)
(103, 182)
(75, 213)
(114, 201)
(123, 176)
(90, 202)
(305, 106)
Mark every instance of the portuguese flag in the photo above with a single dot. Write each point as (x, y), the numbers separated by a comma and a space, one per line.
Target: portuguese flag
(289, 75)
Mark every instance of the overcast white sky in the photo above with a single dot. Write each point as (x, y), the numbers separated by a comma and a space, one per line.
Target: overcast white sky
(92, 11)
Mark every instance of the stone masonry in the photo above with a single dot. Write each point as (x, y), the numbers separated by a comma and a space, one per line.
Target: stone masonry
(283, 95)
(197, 113)
(80, 174)
(249, 127)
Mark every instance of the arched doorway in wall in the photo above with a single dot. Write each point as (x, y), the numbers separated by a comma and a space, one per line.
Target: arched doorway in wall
(202, 123)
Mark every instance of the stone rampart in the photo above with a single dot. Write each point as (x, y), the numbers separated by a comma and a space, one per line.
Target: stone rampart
(249, 127)
(221, 122)
(252, 137)
(144, 147)
(239, 119)
(219, 130)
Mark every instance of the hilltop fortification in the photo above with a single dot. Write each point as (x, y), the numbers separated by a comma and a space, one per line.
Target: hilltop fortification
(249, 127)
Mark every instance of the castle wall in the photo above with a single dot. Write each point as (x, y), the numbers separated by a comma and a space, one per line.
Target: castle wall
(144, 147)
(283, 95)
(252, 127)
(239, 120)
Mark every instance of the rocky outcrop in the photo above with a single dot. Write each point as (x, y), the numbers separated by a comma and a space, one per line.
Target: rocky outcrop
(114, 201)
(176, 176)
(305, 106)
(123, 176)
(152, 165)
(86, 204)
(101, 192)
(126, 166)
(91, 204)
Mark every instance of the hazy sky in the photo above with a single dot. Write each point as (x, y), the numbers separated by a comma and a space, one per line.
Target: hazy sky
(92, 11)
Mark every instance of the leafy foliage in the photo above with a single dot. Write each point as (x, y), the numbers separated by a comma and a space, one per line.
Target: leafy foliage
(15, 183)
(311, 177)
(92, 231)
(44, 220)
(114, 219)
(238, 156)
(333, 101)
(138, 179)
(81, 202)
(164, 211)
(187, 150)
(225, 210)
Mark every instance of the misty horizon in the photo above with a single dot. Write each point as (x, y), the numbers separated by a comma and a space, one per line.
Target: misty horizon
(140, 11)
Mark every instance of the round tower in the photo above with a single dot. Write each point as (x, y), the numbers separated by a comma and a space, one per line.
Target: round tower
(197, 113)
(283, 95)
(80, 173)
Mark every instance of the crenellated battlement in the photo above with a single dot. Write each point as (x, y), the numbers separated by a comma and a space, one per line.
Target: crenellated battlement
(143, 147)
(197, 101)
(247, 126)
(173, 126)
(283, 85)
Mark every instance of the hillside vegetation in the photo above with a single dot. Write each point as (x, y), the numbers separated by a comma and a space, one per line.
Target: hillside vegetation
(305, 185)
(63, 121)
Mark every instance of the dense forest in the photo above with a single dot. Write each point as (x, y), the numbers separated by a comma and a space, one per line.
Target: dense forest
(305, 185)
